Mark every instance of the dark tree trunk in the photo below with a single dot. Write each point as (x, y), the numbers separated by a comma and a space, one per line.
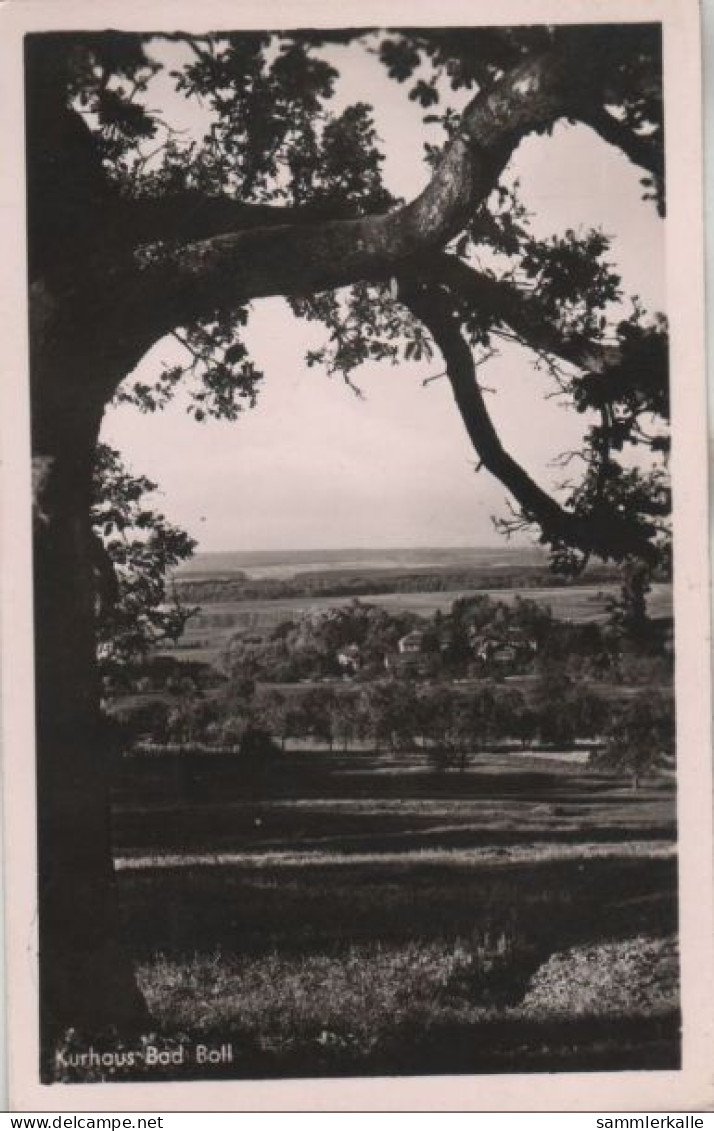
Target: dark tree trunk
(86, 980)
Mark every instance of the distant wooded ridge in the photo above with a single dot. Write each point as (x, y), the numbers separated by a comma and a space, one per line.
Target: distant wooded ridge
(288, 562)
(366, 583)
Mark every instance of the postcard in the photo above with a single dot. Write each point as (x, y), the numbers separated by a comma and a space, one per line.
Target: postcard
(355, 612)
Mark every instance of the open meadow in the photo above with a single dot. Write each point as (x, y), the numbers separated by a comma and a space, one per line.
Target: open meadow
(327, 909)
(367, 914)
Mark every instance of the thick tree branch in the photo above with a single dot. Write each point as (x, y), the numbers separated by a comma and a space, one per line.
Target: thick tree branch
(642, 150)
(139, 293)
(194, 215)
(523, 313)
(198, 277)
(605, 535)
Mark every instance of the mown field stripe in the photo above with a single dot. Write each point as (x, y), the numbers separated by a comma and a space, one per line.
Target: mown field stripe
(516, 854)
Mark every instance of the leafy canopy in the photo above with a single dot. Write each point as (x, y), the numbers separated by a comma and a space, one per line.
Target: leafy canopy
(273, 135)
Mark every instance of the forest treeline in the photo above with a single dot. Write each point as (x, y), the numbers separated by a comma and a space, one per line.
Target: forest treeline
(336, 583)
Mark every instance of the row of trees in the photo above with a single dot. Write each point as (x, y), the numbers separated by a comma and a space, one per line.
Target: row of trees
(394, 716)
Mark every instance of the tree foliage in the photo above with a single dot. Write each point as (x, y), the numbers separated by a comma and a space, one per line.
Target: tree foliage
(276, 154)
(136, 550)
(641, 737)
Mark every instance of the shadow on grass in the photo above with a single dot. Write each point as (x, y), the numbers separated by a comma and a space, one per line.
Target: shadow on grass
(209, 804)
(352, 775)
(297, 908)
(509, 1044)
(518, 1044)
(313, 907)
(209, 832)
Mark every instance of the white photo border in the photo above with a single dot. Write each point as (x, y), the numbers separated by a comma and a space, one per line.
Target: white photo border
(692, 1087)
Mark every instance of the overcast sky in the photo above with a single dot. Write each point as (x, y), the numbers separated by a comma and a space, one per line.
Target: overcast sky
(312, 465)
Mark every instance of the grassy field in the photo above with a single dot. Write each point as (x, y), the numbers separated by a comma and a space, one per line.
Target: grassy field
(361, 914)
(208, 632)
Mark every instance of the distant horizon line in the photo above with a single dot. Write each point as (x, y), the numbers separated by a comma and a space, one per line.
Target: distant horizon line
(367, 548)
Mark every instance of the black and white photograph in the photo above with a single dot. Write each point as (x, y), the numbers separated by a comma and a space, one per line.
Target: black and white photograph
(357, 654)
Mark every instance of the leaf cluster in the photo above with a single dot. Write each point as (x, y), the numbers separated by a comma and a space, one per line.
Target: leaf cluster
(141, 547)
(218, 376)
